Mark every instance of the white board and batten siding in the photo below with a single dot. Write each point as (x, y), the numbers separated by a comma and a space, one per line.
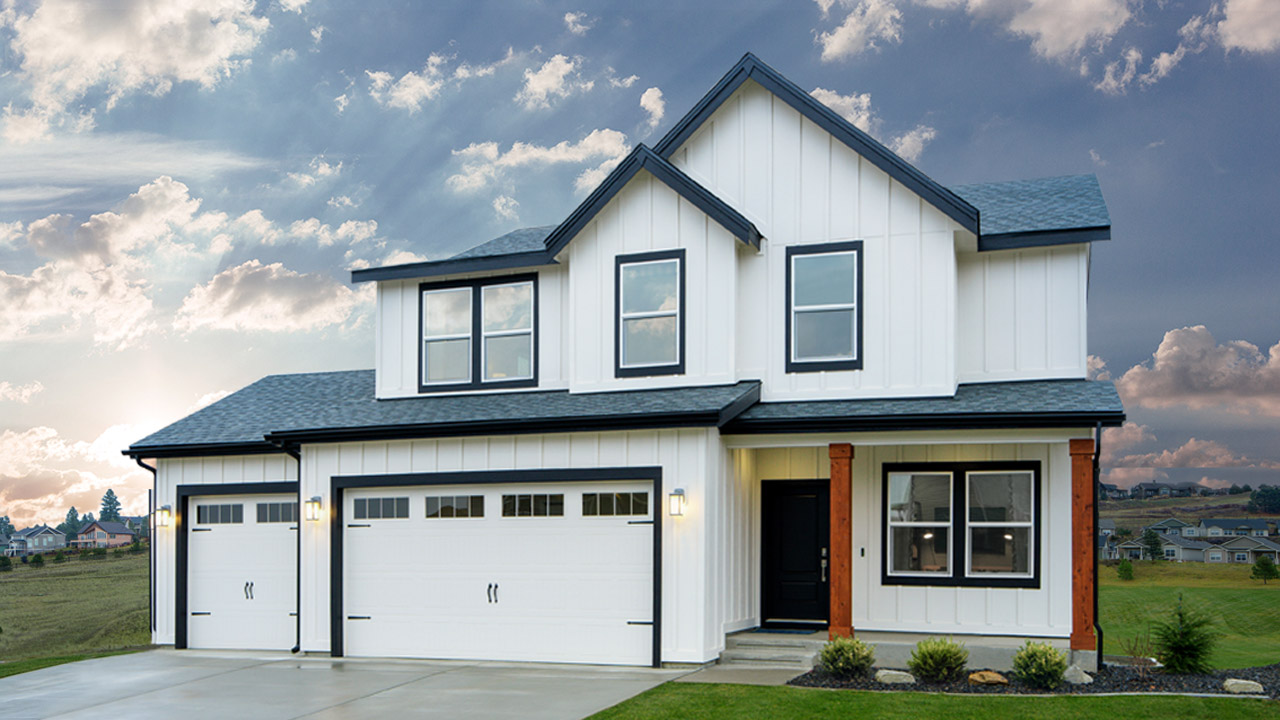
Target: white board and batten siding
(1023, 314)
(398, 333)
(172, 472)
(1042, 612)
(689, 458)
(801, 186)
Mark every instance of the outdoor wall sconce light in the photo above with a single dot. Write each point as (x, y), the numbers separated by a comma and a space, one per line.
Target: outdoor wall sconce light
(313, 508)
(162, 515)
(676, 502)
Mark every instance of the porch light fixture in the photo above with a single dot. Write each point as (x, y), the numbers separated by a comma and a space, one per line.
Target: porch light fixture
(313, 508)
(163, 514)
(928, 536)
(676, 502)
(1008, 536)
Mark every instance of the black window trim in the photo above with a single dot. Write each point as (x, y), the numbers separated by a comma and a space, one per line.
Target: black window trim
(958, 559)
(676, 368)
(477, 381)
(797, 366)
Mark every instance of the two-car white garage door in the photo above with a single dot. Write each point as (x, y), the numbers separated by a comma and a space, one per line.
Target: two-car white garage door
(556, 572)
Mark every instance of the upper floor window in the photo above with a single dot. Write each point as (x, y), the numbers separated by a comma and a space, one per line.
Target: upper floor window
(824, 307)
(479, 333)
(649, 308)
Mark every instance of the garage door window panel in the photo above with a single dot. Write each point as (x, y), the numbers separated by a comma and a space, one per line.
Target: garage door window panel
(533, 505)
(611, 504)
(455, 506)
(222, 514)
(381, 508)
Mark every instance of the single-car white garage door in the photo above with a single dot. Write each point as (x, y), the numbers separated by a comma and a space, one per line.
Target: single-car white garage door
(552, 572)
(241, 570)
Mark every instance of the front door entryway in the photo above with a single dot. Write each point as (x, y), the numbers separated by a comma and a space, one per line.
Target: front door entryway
(795, 520)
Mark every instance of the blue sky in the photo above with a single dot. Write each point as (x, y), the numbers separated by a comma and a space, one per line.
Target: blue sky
(185, 184)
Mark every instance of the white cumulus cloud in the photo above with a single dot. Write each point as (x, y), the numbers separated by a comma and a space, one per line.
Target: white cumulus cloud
(577, 23)
(1250, 25)
(854, 107)
(653, 104)
(485, 163)
(910, 145)
(558, 77)
(19, 393)
(1190, 369)
(272, 298)
(866, 24)
(507, 208)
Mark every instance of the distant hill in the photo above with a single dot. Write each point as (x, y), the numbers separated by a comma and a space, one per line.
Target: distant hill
(1134, 514)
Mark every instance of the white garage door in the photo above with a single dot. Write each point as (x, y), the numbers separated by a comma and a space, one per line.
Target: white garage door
(554, 572)
(241, 590)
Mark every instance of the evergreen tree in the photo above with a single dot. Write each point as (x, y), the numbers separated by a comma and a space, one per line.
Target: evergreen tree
(110, 507)
(1264, 569)
(71, 524)
(1266, 499)
(1151, 545)
(86, 519)
(6, 527)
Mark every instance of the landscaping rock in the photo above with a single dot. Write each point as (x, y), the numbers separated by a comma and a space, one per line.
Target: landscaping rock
(987, 677)
(1242, 687)
(1076, 676)
(894, 677)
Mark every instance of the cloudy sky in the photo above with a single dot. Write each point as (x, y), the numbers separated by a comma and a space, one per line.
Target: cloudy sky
(185, 184)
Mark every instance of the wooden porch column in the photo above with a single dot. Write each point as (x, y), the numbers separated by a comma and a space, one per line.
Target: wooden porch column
(840, 547)
(1083, 545)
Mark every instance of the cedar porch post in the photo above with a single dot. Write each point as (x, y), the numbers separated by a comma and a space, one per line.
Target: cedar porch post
(840, 622)
(1083, 545)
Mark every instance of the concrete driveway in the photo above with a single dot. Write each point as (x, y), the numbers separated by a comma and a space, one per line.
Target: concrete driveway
(193, 684)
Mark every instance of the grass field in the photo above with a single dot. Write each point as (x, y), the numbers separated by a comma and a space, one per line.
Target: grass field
(742, 702)
(1134, 514)
(74, 608)
(1245, 612)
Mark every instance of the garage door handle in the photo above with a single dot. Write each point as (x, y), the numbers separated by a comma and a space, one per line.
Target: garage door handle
(351, 525)
(495, 592)
(359, 617)
(201, 529)
(488, 593)
(201, 613)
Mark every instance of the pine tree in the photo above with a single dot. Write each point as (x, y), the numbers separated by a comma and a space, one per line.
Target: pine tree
(110, 511)
(6, 527)
(71, 524)
(1151, 545)
(1264, 569)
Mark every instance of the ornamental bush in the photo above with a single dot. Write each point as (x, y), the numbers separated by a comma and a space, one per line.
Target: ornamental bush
(847, 657)
(938, 660)
(1125, 569)
(59, 557)
(6, 564)
(1040, 665)
(1264, 569)
(37, 561)
(1184, 643)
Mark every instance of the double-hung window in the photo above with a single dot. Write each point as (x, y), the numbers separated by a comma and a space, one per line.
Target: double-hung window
(824, 307)
(478, 334)
(649, 309)
(961, 524)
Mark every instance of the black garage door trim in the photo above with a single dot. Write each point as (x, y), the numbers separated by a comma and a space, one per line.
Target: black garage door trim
(339, 483)
(185, 493)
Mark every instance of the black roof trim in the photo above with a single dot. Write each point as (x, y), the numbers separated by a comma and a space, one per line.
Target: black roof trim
(751, 67)
(967, 421)
(201, 450)
(1042, 238)
(452, 266)
(644, 158)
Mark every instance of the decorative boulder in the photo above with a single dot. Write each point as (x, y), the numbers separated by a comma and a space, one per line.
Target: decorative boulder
(987, 677)
(1242, 687)
(894, 677)
(1076, 676)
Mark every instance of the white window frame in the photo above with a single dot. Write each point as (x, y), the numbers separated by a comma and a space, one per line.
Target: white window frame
(485, 335)
(1029, 524)
(428, 339)
(950, 527)
(624, 316)
(796, 309)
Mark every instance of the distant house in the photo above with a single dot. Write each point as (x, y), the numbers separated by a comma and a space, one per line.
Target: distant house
(137, 524)
(1107, 491)
(1106, 526)
(1107, 540)
(1130, 549)
(1233, 527)
(103, 534)
(32, 540)
(1147, 490)
(1168, 526)
(1244, 549)
(1181, 549)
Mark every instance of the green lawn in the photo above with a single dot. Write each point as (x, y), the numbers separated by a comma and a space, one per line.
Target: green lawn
(1245, 612)
(743, 702)
(74, 608)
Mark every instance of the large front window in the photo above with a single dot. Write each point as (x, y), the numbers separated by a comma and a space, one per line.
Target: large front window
(824, 299)
(478, 334)
(961, 524)
(650, 314)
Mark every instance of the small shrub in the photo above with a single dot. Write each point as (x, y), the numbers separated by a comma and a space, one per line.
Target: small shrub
(938, 660)
(1040, 665)
(37, 560)
(99, 552)
(1184, 643)
(117, 552)
(1125, 570)
(85, 554)
(6, 564)
(1264, 569)
(135, 546)
(847, 657)
(1140, 650)
(59, 557)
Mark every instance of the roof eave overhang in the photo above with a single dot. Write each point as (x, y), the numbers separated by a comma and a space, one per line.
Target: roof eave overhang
(410, 271)
(752, 68)
(974, 421)
(1042, 238)
(200, 450)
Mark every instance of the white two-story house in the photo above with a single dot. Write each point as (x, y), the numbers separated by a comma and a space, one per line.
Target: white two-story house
(766, 374)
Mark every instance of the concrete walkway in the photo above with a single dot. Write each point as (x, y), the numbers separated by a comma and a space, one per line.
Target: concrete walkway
(195, 684)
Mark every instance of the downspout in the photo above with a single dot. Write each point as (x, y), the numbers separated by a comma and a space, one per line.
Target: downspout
(297, 573)
(1097, 619)
(151, 542)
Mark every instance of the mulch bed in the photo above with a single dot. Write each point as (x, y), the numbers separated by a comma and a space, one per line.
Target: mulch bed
(1110, 679)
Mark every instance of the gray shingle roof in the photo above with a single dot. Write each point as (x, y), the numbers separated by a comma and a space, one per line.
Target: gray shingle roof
(1189, 543)
(111, 527)
(530, 239)
(1233, 523)
(335, 402)
(1058, 203)
(1106, 524)
(1009, 404)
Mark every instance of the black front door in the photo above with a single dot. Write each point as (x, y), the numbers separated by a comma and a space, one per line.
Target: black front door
(795, 533)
